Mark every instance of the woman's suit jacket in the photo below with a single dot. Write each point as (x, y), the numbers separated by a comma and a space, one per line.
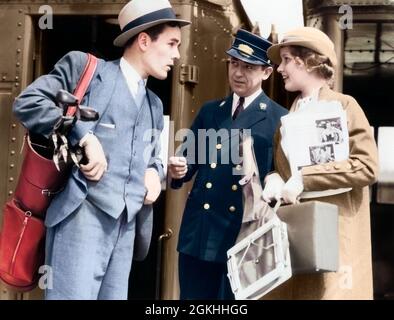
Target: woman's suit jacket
(354, 277)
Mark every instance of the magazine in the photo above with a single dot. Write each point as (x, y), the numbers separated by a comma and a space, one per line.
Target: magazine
(315, 135)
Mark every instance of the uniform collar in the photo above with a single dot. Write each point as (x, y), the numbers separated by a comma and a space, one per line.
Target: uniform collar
(248, 100)
(247, 118)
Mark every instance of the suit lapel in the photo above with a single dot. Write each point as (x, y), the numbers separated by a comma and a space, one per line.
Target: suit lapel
(222, 113)
(101, 92)
(254, 113)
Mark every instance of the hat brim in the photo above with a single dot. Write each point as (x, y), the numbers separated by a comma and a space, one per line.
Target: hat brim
(251, 60)
(273, 52)
(122, 39)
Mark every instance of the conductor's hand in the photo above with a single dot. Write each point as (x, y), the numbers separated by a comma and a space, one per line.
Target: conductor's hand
(97, 163)
(152, 185)
(273, 187)
(177, 167)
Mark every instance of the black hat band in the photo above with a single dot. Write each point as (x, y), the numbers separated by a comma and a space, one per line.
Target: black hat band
(166, 13)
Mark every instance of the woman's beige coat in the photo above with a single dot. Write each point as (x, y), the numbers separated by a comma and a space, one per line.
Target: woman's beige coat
(354, 277)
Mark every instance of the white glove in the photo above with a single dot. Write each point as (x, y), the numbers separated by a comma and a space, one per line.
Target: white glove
(153, 185)
(273, 187)
(97, 163)
(177, 167)
(293, 188)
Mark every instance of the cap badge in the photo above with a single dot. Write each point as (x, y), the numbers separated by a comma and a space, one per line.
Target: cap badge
(245, 49)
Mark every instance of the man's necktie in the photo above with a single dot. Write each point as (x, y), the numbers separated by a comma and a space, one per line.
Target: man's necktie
(141, 92)
(239, 108)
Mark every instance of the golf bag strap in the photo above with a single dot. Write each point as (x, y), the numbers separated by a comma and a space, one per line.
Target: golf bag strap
(84, 81)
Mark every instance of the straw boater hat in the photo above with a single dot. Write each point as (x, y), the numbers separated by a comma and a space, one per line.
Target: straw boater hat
(307, 37)
(250, 48)
(139, 15)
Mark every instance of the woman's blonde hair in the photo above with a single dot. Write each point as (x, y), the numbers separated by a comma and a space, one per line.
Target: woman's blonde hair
(314, 62)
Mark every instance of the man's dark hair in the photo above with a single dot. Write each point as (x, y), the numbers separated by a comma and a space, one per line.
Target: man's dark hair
(153, 32)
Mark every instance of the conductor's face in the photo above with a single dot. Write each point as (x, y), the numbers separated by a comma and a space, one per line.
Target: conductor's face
(245, 78)
(162, 52)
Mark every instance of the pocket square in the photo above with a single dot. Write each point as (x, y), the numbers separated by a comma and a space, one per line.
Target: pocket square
(107, 125)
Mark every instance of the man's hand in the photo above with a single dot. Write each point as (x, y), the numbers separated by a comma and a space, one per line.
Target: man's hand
(177, 167)
(153, 185)
(97, 163)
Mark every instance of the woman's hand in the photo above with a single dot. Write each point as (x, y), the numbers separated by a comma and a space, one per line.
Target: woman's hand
(273, 187)
(293, 188)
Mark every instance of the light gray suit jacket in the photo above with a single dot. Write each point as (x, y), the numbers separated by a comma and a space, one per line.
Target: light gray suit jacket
(37, 111)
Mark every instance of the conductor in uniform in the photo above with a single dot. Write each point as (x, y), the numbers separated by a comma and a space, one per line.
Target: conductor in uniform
(213, 212)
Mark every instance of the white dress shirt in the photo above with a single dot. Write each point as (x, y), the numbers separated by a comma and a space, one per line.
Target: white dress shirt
(248, 100)
(131, 75)
(132, 80)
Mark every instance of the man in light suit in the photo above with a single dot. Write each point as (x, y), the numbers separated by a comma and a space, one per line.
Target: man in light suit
(213, 213)
(105, 209)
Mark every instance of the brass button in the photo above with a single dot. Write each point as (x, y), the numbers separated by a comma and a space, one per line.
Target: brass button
(219, 146)
(238, 167)
(348, 166)
(355, 163)
(206, 206)
(327, 167)
(234, 187)
(213, 165)
(337, 166)
(208, 185)
(232, 209)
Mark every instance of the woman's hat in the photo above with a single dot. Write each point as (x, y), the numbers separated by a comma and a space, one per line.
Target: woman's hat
(307, 37)
(250, 48)
(139, 15)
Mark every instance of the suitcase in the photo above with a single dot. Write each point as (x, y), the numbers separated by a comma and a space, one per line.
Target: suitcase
(312, 229)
